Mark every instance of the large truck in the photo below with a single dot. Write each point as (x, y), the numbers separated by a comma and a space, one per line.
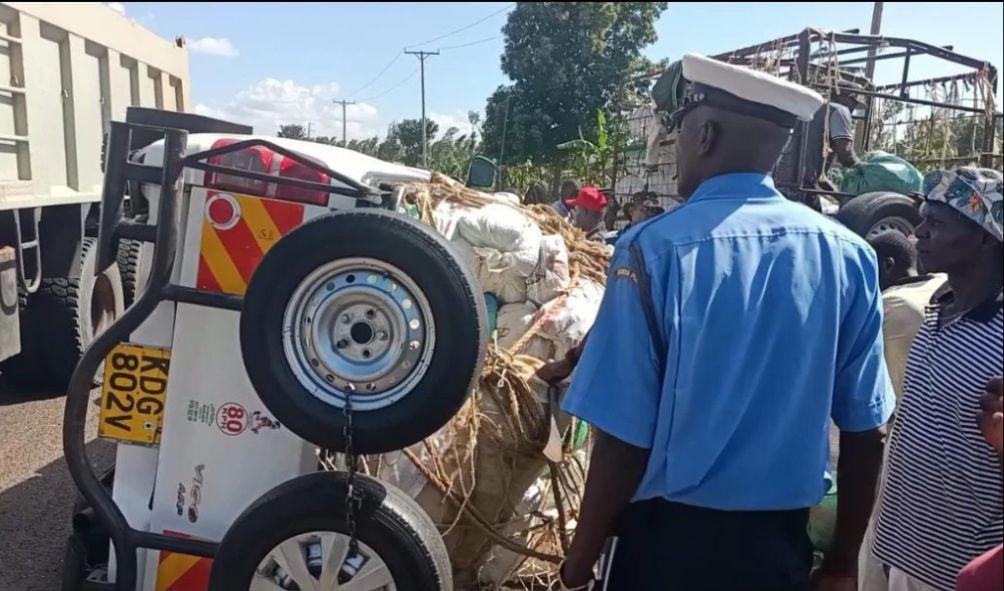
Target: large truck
(66, 71)
(901, 110)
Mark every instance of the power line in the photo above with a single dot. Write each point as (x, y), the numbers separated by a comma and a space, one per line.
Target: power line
(443, 36)
(395, 87)
(463, 28)
(485, 40)
(378, 75)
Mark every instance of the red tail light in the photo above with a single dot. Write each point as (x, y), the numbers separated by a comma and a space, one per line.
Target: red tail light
(262, 160)
(291, 169)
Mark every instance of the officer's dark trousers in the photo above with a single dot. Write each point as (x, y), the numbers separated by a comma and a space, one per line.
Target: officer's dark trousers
(667, 546)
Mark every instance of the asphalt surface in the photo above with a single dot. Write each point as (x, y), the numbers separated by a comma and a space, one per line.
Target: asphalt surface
(36, 492)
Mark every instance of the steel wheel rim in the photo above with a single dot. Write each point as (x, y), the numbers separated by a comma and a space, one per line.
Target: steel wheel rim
(320, 561)
(888, 224)
(358, 323)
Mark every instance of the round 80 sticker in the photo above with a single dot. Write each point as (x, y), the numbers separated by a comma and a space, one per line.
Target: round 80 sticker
(231, 418)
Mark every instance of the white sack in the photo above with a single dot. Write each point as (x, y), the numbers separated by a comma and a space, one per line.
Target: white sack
(551, 276)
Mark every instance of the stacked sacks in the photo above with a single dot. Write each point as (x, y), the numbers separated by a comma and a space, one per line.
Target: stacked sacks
(551, 277)
(565, 320)
(507, 245)
(484, 461)
(514, 320)
(484, 478)
(550, 331)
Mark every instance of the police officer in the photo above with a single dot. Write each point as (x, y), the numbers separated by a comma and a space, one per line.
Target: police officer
(733, 328)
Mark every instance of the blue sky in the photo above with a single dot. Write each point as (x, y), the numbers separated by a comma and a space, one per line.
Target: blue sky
(266, 63)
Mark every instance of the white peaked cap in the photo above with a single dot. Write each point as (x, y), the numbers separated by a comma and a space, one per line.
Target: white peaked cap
(753, 86)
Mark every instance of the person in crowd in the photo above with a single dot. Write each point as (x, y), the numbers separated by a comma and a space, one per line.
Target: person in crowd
(641, 207)
(841, 129)
(905, 296)
(897, 257)
(537, 194)
(986, 573)
(941, 500)
(587, 212)
(569, 189)
(834, 125)
(712, 407)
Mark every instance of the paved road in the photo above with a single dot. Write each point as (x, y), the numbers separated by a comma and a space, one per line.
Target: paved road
(36, 492)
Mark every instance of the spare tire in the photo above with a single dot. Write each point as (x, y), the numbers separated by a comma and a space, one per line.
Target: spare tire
(296, 537)
(367, 302)
(870, 214)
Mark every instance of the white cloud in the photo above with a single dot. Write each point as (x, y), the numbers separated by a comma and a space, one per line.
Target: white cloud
(218, 46)
(269, 103)
(116, 6)
(445, 121)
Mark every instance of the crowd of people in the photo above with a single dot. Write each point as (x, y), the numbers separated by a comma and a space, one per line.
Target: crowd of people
(736, 327)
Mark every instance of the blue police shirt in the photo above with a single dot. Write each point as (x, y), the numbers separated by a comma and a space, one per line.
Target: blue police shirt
(770, 319)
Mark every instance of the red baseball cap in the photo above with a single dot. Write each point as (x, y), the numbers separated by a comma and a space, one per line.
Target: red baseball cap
(589, 198)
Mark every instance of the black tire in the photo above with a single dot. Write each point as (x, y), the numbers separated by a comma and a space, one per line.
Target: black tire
(74, 565)
(26, 370)
(869, 214)
(128, 262)
(388, 522)
(456, 305)
(67, 313)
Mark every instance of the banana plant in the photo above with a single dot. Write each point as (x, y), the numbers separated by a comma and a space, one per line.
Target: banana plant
(591, 161)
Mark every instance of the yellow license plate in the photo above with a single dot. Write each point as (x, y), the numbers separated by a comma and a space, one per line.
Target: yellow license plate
(133, 395)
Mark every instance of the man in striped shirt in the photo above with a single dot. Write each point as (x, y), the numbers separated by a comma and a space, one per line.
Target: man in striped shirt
(941, 504)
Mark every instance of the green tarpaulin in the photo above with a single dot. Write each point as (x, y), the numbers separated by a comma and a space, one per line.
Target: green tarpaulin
(881, 171)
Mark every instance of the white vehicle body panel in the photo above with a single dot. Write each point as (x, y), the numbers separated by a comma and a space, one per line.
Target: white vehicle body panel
(230, 470)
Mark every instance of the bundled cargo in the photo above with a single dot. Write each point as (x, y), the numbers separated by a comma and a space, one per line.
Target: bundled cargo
(880, 171)
(550, 277)
(502, 479)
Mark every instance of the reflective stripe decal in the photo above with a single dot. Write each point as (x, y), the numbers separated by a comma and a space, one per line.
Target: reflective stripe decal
(231, 249)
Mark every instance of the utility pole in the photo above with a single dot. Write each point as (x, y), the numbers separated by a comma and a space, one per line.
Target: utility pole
(861, 137)
(875, 30)
(343, 103)
(425, 141)
(505, 125)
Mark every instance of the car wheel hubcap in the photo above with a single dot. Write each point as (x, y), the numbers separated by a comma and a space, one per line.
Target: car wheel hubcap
(321, 561)
(359, 325)
(888, 224)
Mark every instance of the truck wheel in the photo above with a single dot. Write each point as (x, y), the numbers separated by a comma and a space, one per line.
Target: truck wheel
(369, 302)
(71, 312)
(296, 537)
(25, 371)
(128, 262)
(870, 214)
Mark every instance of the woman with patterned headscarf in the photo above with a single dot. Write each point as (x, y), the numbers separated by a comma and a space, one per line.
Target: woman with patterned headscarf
(941, 502)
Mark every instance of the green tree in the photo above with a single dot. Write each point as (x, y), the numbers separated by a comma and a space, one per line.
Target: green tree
(409, 134)
(451, 153)
(403, 142)
(292, 131)
(592, 161)
(567, 61)
(390, 149)
(366, 146)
